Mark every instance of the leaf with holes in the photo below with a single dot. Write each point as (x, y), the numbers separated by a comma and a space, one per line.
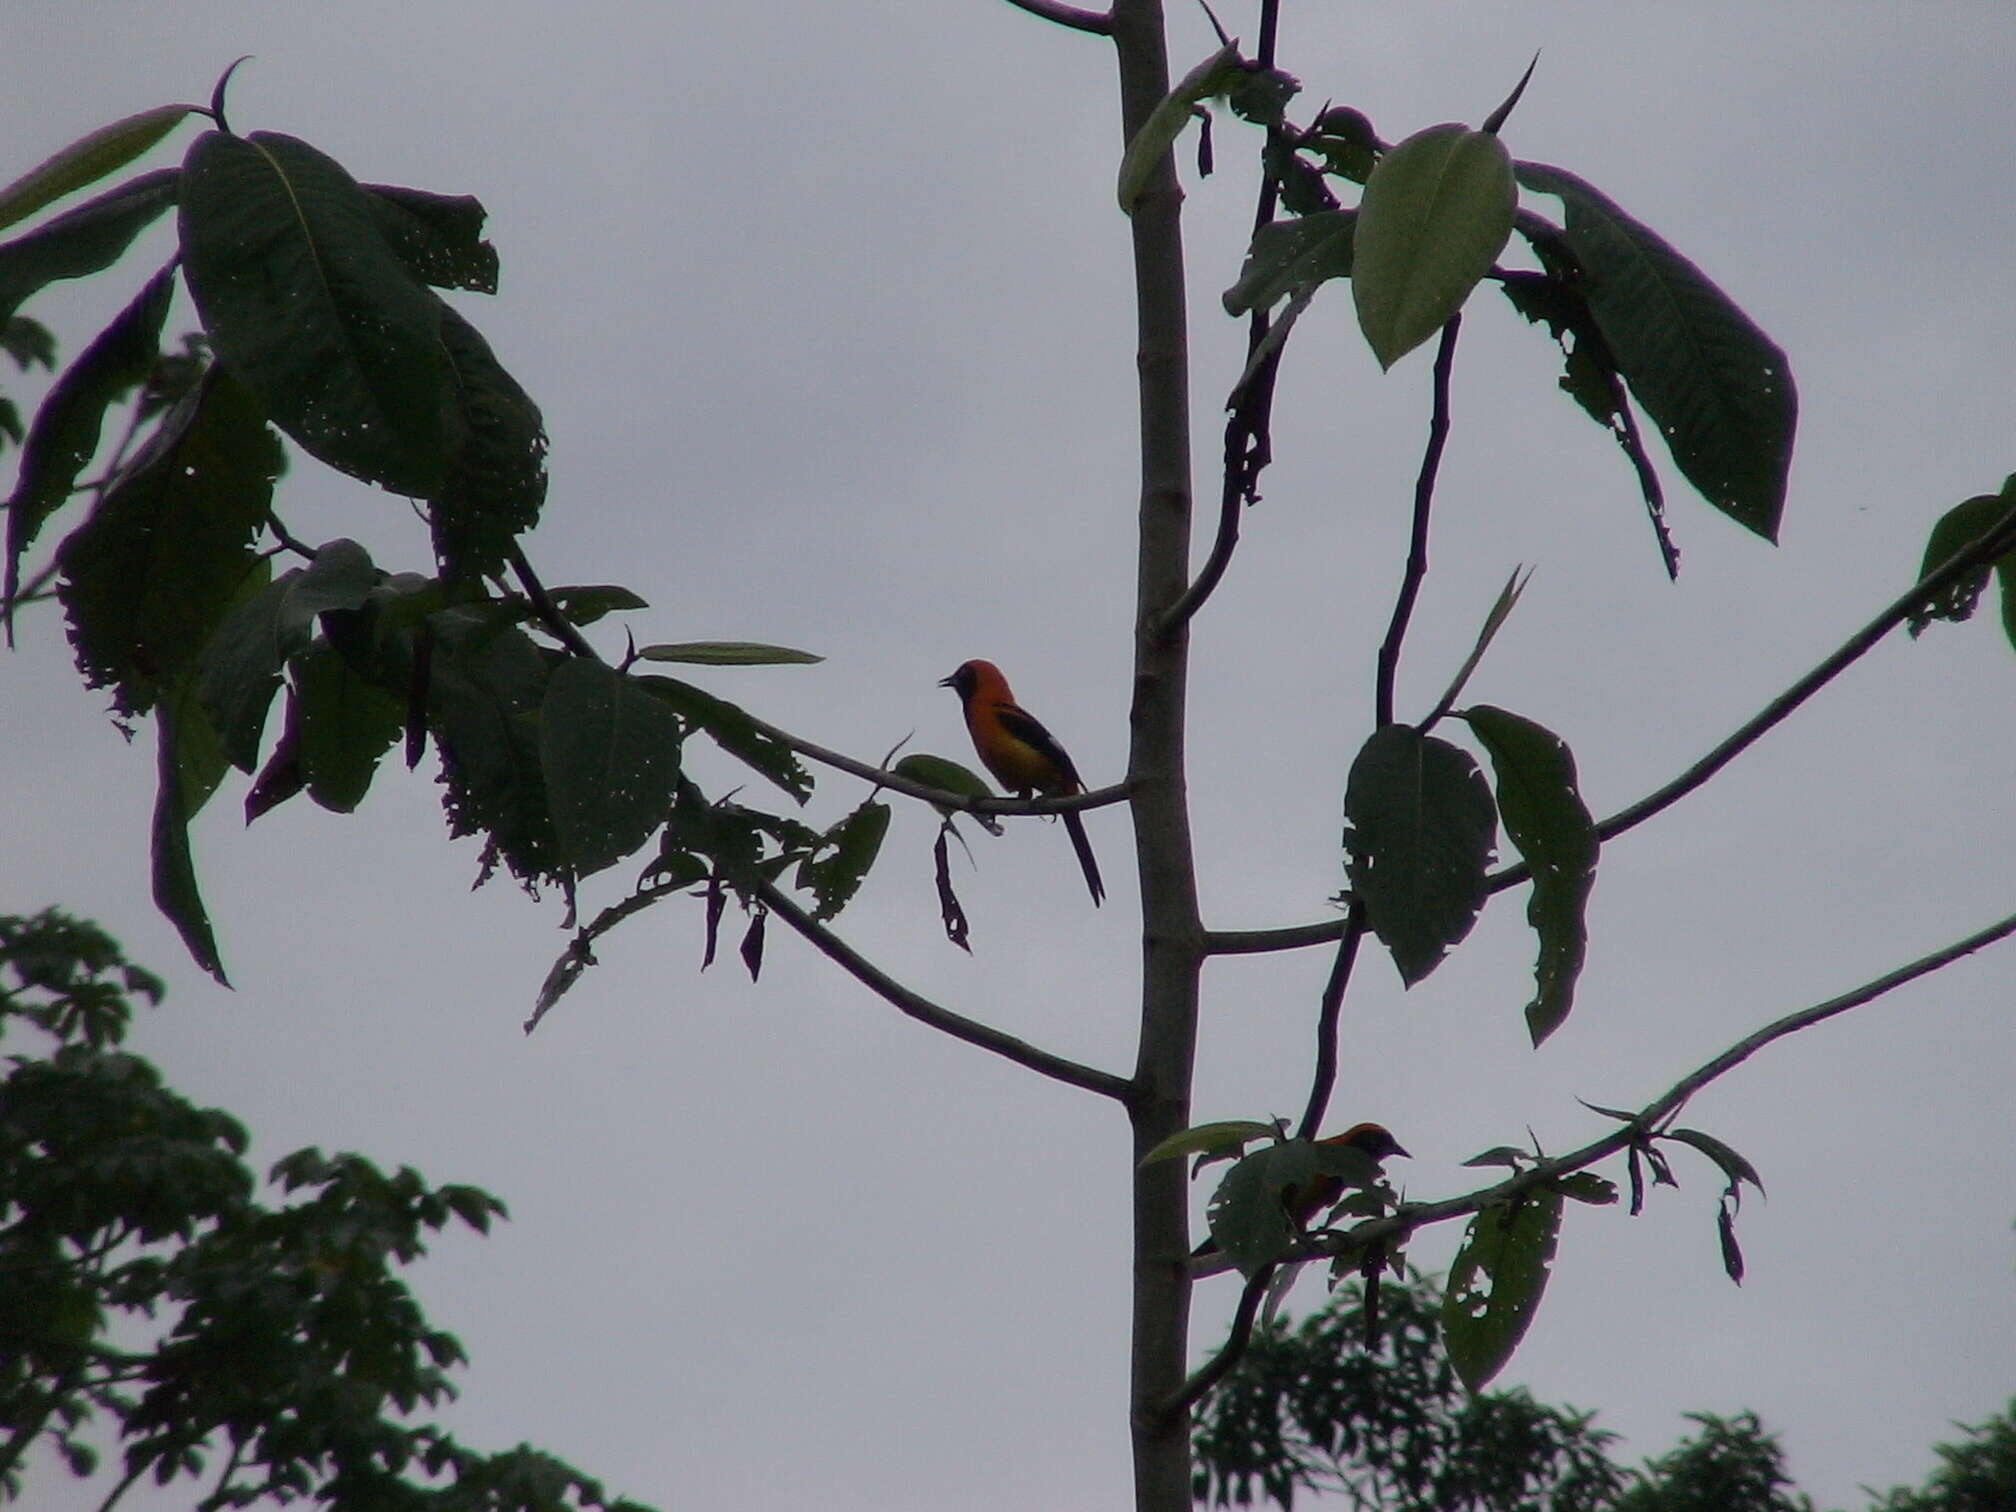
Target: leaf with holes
(1419, 836)
(1717, 387)
(304, 301)
(611, 754)
(1496, 1282)
(1546, 819)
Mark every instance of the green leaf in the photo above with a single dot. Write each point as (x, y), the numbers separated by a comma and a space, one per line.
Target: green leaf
(1225, 1137)
(1420, 826)
(583, 605)
(83, 241)
(64, 436)
(485, 682)
(1496, 1282)
(944, 774)
(438, 236)
(305, 302)
(189, 765)
(345, 725)
(1960, 527)
(1290, 256)
(734, 732)
(835, 876)
(1246, 1214)
(1546, 819)
(87, 160)
(1719, 390)
(238, 672)
(148, 576)
(1221, 71)
(1587, 1186)
(1435, 215)
(497, 480)
(1501, 610)
(728, 654)
(1733, 1166)
(611, 754)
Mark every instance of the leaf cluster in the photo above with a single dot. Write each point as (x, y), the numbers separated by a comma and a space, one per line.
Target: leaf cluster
(157, 1308)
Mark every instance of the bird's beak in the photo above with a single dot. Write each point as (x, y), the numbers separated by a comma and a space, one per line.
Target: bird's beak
(946, 682)
(1400, 1149)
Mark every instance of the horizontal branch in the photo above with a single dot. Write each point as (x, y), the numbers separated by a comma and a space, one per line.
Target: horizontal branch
(1650, 1117)
(897, 783)
(1076, 17)
(931, 1014)
(1986, 548)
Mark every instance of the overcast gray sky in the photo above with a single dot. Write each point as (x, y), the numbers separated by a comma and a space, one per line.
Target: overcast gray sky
(827, 310)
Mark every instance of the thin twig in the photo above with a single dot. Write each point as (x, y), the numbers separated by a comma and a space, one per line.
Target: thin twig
(931, 1014)
(1248, 430)
(1326, 1021)
(1078, 19)
(1990, 545)
(1214, 1370)
(564, 629)
(1417, 545)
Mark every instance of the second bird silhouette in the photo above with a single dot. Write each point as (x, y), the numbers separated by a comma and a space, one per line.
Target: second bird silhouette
(1023, 756)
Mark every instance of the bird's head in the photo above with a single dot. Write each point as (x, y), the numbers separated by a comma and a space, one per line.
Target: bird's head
(970, 676)
(1374, 1140)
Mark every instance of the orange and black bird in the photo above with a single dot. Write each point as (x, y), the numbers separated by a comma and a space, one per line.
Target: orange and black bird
(1023, 756)
(1373, 1140)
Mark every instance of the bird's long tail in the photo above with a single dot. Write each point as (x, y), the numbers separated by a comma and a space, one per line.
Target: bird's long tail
(1088, 863)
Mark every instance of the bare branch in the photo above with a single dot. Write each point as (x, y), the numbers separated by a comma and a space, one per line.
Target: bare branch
(1237, 1337)
(930, 1014)
(549, 614)
(1326, 1021)
(1078, 19)
(1417, 545)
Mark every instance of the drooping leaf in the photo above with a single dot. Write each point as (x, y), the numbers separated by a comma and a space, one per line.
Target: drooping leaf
(1217, 73)
(1546, 819)
(1735, 1169)
(63, 438)
(834, 875)
(347, 724)
(82, 241)
(304, 301)
(1587, 1186)
(281, 778)
(148, 576)
(1420, 827)
(1496, 1282)
(1719, 390)
(950, 914)
(438, 236)
(733, 731)
(728, 654)
(87, 160)
(1591, 377)
(1957, 529)
(189, 765)
(1436, 214)
(238, 670)
(1288, 256)
(611, 754)
(496, 481)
